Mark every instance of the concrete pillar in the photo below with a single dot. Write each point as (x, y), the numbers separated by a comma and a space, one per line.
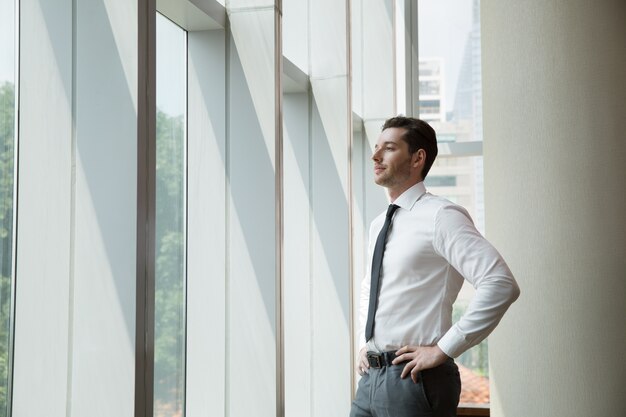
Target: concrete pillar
(330, 190)
(374, 71)
(555, 163)
(253, 129)
(206, 211)
(76, 252)
(41, 360)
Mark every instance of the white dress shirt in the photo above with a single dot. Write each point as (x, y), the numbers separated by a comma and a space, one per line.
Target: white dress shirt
(431, 247)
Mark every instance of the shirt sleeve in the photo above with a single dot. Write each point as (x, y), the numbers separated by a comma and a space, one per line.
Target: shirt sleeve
(457, 240)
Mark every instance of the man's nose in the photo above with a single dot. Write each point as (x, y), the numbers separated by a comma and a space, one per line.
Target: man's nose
(376, 156)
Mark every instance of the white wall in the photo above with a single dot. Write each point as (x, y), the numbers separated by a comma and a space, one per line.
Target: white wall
(298, 260)
(330, 186)
(75, 320)
(105, 211)
(295, 23)
(555, 158)
(317, 274)
(43, 284)
(252, 269)
(374, 101)
(75, 328)
(206, 242)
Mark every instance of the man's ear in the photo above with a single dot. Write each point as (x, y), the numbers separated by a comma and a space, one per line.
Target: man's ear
(419, 158)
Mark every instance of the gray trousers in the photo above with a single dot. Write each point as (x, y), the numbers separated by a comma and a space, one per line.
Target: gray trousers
(382, 393)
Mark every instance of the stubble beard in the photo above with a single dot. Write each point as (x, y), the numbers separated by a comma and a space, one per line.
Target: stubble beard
(391, 178)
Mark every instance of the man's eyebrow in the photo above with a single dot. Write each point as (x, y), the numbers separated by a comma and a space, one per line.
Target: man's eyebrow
(386, 143)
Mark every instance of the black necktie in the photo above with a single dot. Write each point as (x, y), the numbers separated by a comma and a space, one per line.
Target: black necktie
(377, 263)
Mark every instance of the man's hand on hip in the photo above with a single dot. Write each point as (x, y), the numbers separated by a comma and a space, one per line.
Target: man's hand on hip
(419, 358)
(362, 362)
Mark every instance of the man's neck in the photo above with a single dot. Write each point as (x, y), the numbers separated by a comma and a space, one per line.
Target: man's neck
(397, 191)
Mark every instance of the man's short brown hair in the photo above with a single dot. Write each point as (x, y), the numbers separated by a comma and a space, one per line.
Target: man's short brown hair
(418, 135)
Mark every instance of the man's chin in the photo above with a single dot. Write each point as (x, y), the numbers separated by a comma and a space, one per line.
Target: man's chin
(383, 182)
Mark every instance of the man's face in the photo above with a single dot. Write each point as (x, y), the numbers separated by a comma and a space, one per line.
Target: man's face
(393, 164)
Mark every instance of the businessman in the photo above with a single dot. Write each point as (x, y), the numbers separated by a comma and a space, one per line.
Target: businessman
(421, 250)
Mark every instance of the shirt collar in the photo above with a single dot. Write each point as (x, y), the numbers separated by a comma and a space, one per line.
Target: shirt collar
(407, 199)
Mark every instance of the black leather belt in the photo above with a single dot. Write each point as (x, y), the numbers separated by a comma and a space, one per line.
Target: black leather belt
(378, 360)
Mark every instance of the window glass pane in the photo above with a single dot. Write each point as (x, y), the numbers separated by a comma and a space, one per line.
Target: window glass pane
(7, 172)
(450, 99)
(441, 181)
(456, 180)
(169, 352)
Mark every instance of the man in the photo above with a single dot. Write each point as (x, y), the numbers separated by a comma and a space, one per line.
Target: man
(430, 246)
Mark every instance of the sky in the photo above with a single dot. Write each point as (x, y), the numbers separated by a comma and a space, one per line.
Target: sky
(171, 67)
(7, 40)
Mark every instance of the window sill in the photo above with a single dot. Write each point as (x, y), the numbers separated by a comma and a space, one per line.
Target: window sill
(473, 411)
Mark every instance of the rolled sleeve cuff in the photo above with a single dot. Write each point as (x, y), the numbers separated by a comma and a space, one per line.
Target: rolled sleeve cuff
(453, 343)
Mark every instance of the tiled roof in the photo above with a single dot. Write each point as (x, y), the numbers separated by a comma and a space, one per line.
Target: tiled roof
(164, 409)
(474, 388)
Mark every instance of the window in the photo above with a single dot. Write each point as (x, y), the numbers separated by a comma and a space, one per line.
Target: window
(429, 106)
(7, 187)
(429, 68)
(429, 88)
(449, 57)
(169, 350)
(441, 181)
(446, 137)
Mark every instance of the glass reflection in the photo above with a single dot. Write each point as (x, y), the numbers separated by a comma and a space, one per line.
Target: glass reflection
(169, 355)
(7, 174)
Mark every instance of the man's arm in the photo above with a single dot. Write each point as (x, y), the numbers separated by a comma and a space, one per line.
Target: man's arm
(457, 240)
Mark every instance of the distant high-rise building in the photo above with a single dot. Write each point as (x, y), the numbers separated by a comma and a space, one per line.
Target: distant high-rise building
(463, 98)
(431, 90)
(460, 178)
(468, 95)
(477, 108)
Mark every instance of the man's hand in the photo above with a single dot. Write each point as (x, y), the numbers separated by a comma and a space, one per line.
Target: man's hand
(420, 358)
(362, 364)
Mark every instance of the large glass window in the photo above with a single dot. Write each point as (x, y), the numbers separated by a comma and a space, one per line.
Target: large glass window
(169, 355)
(7, 182)
(451, 100)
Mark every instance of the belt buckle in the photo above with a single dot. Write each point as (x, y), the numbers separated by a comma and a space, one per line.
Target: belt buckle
(374, 360)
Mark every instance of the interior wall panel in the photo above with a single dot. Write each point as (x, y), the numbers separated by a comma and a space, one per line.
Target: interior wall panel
(331, 273)
(252, 326)
(373, 51)
(554, 156)
(330, 291)
(206, 267)
(43, 283)
(297, 247)
(103, 344)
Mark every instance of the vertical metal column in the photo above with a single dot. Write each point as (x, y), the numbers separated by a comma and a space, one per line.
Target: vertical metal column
(146, 201)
